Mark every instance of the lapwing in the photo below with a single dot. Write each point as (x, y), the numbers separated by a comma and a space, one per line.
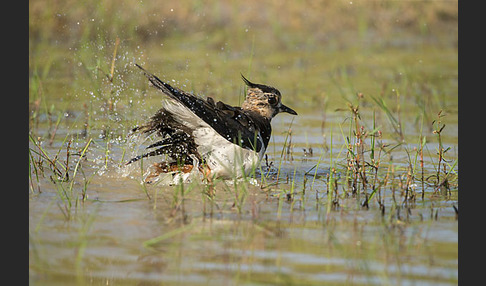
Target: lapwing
(220, 140)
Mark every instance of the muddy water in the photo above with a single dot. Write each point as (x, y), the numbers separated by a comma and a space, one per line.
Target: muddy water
(287, 232)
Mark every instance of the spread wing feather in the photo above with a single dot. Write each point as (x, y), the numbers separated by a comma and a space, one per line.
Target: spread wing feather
(233, 123)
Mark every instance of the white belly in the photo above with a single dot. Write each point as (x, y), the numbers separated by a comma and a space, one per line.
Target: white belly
(225, 159)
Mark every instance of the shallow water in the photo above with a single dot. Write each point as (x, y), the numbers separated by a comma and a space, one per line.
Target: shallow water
(244, 235)
(284, 225)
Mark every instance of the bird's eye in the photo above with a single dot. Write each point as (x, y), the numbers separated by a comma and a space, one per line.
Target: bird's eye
(272, 100)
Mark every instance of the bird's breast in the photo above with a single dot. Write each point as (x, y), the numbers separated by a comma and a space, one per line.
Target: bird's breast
(225, 159)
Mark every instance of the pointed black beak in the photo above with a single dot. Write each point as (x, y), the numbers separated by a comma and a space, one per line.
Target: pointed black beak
(284, 108)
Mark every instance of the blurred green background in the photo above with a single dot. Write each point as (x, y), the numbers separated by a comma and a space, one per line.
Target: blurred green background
(315, 52)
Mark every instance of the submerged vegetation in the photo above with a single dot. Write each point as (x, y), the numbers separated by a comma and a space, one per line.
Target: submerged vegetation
(360, 188)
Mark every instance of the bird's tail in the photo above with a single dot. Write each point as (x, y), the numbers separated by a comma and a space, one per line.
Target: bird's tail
(163, 86)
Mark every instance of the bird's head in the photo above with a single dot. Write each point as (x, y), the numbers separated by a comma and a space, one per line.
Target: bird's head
(264, 99)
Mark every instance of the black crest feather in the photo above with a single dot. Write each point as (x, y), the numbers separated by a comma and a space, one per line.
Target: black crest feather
(264, 88)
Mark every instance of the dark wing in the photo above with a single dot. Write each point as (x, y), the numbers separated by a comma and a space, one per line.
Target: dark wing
(240, 127)
(233, 123)
(178, 146)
